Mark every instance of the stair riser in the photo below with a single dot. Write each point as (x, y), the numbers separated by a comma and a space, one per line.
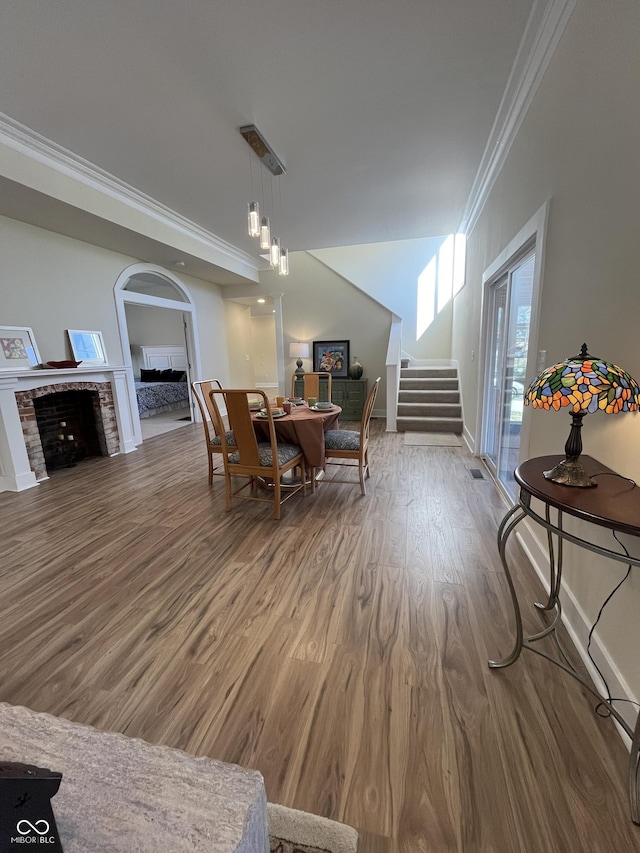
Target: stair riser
(426, 410)
(428, 384)
(429, 425)
(428, 397)
(428, 373)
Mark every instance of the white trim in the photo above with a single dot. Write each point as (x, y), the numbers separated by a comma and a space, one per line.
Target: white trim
(546, 25)
(535, 230)
(26, 141)
(394, 368)
(124, 297)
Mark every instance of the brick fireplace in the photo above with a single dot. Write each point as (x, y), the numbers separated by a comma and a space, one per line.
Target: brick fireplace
(55, 418)
(66, 422)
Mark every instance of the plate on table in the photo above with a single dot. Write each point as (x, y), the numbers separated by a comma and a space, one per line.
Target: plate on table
(273, 415)
(321, 408)
(296, 401)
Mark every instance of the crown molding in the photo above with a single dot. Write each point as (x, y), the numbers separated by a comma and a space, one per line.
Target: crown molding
(544, 29)
(31, 144)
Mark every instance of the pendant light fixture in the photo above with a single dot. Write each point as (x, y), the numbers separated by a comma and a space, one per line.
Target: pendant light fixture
(253, 219)
(283, 266)
(274, 252)
(265, 233)
(258, 226)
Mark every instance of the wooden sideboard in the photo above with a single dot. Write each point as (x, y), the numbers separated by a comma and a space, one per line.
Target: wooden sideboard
(349, 394)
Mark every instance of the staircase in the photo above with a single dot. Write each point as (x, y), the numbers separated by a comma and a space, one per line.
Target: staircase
(429, 400)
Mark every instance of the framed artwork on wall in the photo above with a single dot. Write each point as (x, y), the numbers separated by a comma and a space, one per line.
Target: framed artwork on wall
(331, 357)
(18, 350)
(87, 347)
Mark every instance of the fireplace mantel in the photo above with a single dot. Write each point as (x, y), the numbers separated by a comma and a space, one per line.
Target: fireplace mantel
(15, 469)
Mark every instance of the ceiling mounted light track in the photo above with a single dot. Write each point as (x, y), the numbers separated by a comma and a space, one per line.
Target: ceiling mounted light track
(262, 149)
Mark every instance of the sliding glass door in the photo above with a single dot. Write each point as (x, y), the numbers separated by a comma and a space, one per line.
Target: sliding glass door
(509, 319)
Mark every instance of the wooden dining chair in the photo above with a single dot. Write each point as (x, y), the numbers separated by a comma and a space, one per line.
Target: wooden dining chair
(212, 439)
(253, 459)
(316, 385)
(351, 444)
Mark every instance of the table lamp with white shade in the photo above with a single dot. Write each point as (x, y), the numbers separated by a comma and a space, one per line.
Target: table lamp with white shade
(299, 351)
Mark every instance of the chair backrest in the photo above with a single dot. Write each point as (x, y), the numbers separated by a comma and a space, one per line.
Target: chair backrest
(201, 393)
(368, 410)
(236, 401)
(314, 385)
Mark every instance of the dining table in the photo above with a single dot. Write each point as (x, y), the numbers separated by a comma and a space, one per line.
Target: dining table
(305, 426)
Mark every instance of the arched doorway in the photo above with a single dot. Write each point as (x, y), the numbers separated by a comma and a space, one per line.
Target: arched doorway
(156, 288)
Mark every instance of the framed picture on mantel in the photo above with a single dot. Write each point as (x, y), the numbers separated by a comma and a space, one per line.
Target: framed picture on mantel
(18, 350)
(87, 347)
(331, 357)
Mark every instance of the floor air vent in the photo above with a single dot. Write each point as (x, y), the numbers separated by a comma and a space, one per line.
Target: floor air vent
(476, 473)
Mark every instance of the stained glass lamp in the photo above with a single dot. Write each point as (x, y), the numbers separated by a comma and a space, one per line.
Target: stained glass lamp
(583, 384)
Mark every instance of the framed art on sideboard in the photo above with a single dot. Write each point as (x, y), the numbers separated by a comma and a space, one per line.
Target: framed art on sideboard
(331, 357)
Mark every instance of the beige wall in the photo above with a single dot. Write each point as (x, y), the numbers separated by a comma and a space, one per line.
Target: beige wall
(578, 147)
(149, 326)
(318, 304)
(240, 346)
(53, 283)
(263, 337)
(388, 272)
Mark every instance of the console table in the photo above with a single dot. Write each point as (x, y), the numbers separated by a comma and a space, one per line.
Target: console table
(615, 505)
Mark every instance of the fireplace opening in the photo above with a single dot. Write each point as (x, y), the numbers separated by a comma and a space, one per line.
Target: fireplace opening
(70, 428)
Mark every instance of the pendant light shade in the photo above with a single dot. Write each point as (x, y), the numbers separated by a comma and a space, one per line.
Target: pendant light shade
(274, 252)
(283, 268)
(253, 219)
(265, 233)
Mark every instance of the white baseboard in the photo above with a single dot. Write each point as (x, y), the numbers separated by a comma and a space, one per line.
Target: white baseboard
(578, 626)
(468, 439)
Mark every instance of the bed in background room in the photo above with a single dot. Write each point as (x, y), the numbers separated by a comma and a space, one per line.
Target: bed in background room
(163, 385)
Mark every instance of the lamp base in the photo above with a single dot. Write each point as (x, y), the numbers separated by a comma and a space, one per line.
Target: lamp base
(299, 368)
(570, 472)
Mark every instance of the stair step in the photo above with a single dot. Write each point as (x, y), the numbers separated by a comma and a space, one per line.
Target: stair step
(429, 410)
(427, 396)
(404, 362)
(414, 424)
(428, 384)
(428, 373)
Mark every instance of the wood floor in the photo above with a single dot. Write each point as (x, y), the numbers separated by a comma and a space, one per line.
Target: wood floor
(341, 651)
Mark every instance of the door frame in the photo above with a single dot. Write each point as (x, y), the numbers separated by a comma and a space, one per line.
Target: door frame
(531, 236)
(188, 310)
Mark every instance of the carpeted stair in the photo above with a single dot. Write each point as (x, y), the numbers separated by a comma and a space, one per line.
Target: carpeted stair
(429, 400)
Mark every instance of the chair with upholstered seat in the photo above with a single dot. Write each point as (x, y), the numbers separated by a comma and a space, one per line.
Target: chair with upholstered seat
(316, 385)
(352, 444)
(212, 438)
(250, 458)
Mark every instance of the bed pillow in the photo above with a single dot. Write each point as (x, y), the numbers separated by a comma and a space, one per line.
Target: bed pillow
(151, 375)
(178, 375)
(165, 375)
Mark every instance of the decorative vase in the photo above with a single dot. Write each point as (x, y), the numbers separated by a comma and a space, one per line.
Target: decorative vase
(355, 369)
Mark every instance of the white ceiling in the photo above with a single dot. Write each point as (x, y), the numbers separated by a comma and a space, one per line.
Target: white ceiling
(380, 111)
